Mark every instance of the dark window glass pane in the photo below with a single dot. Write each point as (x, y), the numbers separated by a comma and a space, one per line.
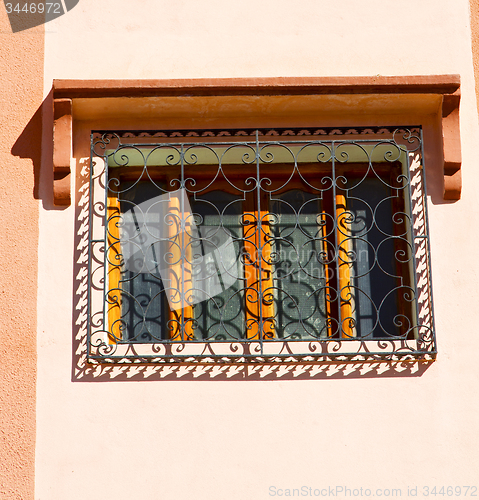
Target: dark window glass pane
(218, 275)
(296, 257)
(380, 258)
(144, 310)
(298, 271)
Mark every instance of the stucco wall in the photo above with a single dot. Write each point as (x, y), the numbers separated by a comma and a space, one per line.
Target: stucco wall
(21, 94)
(474, 6)
(208, 439)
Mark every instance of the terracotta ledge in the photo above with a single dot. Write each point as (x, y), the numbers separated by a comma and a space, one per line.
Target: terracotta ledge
(436, 84)
(445, 86)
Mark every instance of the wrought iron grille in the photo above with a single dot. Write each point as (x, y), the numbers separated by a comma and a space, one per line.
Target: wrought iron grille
(235, 245)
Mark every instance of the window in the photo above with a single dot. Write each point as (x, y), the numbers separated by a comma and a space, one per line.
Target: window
(258, 244)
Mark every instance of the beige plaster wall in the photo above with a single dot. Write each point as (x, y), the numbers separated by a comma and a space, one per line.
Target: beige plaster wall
(21, 94)
(474, 6)
(227, 38)
(217, 439)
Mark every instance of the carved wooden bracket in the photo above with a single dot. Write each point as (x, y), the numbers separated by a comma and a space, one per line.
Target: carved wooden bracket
(451, 146)
(346, 98)
(62, 151)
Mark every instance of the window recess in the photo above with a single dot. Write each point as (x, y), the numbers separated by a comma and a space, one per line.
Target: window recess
(253, 245)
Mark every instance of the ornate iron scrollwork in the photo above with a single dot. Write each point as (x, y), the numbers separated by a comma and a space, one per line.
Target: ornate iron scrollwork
(254, 245)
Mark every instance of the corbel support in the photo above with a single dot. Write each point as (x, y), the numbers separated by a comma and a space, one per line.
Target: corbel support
(451, 146)
(62, 151)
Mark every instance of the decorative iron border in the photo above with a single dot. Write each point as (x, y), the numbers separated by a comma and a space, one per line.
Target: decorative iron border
(252, 132)
(325, 351)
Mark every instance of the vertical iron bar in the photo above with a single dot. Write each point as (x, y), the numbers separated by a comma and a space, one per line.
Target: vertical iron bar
(428, 248)
(336, 248)
(90, 250)
(412, 234)
(182, 238)
(105, 258)
(260, 246)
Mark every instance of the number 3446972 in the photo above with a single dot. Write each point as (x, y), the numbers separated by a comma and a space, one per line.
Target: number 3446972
(34, 8)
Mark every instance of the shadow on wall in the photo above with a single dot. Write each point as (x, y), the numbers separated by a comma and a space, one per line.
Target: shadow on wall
(29, 145)
(246, 371)
(35, 14)
(83, 371)
(36, 143)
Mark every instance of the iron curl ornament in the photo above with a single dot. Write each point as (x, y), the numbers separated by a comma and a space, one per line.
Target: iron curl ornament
(258, 245)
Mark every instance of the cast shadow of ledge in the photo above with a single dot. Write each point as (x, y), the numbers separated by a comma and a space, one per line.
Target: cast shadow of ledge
(248, 371)
(29, 145)
(36, 143)
(82, 371)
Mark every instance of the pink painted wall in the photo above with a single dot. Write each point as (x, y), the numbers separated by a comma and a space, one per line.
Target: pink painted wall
(21, 94)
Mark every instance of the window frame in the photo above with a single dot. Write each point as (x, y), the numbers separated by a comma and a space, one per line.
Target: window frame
(319, 350)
